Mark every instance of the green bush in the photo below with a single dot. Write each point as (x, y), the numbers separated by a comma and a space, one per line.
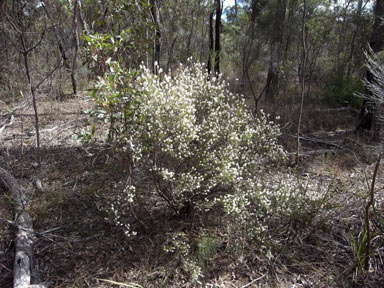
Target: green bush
(193, 138)
(343, 91)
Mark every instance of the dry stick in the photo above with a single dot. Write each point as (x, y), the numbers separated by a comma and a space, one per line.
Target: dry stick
(253, 281)
(369, 204)
(302, 79)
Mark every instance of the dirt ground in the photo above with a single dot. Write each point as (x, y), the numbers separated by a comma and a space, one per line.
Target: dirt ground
(75, 246)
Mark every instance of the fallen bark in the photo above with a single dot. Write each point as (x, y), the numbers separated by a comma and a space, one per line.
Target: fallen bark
(24, 235)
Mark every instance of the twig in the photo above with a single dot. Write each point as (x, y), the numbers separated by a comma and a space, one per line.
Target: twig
(253, 281)
(367, 218)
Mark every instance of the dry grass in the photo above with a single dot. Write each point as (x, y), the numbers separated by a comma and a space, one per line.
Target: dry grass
(76, 246)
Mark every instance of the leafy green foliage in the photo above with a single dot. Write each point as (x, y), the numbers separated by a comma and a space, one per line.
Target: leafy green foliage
(343, 91)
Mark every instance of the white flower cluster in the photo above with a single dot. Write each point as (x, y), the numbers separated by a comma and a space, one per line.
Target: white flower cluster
(195, 138)
(116, 206)
(179, 246)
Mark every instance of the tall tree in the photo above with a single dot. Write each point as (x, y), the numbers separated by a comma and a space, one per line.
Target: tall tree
(217, 36)
(210, 40)
(276, 48)
(76, 42)
(155, 12)
(369, 114)
(58, 36)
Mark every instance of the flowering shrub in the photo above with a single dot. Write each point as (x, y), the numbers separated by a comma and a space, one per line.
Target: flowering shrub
(194, 138)
(178, 245)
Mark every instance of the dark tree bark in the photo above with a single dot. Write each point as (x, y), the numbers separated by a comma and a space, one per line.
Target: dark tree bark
(77, 46)
(354, 37)
(272, 86)
(217, 36)
(368, 117)
(210, 39)
(157, 41)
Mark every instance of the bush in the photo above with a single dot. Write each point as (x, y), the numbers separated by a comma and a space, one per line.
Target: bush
(343, 91)
(193, 137)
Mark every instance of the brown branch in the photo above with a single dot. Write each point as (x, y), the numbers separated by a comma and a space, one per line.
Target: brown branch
(47, 76)
(367, 218)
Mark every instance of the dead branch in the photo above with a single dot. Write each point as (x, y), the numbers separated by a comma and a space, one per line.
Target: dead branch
(311, 153)
(319, 141)
(341, 109)
(24, 235)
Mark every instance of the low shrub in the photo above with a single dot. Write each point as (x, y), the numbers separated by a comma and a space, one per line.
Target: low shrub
(343, 91)
(191, 136)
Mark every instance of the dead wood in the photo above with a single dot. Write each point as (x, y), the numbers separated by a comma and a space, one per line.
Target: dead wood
(319, 152)
(320, 141)
(341, 109)
(24, 235)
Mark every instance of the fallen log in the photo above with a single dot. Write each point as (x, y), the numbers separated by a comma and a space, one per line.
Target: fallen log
(24, 236)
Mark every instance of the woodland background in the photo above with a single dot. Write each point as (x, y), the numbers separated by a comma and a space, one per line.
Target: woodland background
(303, 62)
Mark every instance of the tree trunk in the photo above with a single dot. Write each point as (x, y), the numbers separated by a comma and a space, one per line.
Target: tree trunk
(369, 114)
(77, 45)
(25, 51)
(217, 36)
(58, 38)
(303, 70)
(276, 44)
(354, 37)
(210, 39)
(157, 40)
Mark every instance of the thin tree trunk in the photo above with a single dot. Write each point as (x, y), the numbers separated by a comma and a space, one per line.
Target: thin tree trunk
(32, 90)
(210, 39)
(217, 36)
(276, 44)
(58, 38)
(77, 45)
(304, 63)
(157, 39)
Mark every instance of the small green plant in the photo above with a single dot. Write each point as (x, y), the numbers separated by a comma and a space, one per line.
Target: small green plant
(359, 250)
(207, 246)
(86, 136)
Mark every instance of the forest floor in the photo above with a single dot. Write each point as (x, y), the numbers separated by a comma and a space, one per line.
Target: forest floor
(75, 246)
